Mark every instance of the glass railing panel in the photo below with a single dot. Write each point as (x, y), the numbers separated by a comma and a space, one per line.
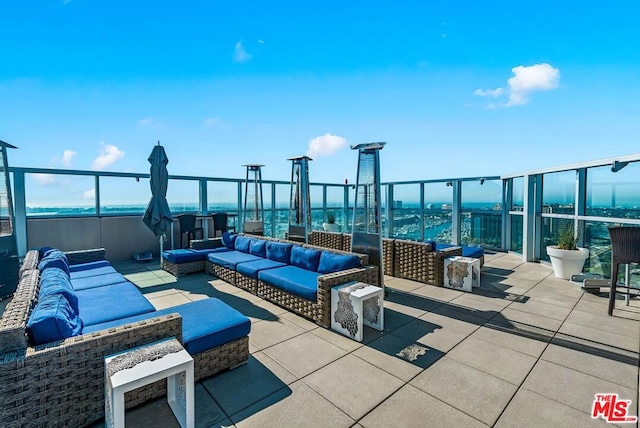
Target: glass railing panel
(335, 203)
(438, 203)
(222, 196)
(517, 233)
(281, 221)
(183, 196)
(612, 194)
(406, 211)
(60, 195)
(133, 200)
(550, 229)
(517, 199)
(482, 213)
(559, 192)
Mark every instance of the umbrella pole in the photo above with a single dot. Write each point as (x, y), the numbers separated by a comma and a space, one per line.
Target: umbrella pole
(161, 239)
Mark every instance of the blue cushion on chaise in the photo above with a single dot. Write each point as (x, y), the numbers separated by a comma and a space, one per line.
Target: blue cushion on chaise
(251, 269)
(102, 270)
(97, 281)
(182, 256)
(205, 324)
(230, 259)
(88, 266)
(295, 280)
(102, 304)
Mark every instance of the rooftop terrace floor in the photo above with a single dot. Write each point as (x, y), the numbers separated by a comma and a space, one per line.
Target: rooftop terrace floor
(526, 349)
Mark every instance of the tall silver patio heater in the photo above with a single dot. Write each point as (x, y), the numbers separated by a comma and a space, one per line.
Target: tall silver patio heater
(9, 262)
(300, 200)
(253, 206)
(367, 224)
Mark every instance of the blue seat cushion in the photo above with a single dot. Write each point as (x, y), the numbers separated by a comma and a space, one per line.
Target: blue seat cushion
(101, 270)
(56, 281)
(439, 246)
(88, 266)
(230, 259)
(475, 252)
(229, 240)
(205, 324)
(305, 258)
(53, 319)
(102, 304)
(182, 256)
(279, 251)
(258, 248)
(295, 280)
(243, 244)
(251, 269)
(332, 262)
(97, 281)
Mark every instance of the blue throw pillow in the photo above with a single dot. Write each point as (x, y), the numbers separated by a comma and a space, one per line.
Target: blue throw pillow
(56, 281)
(43, 250)
(53, 319)
(279, 252)
(332, 262)
(243, 243)
(54, 258)
(258, 248)
(229, 239)
(305, 258)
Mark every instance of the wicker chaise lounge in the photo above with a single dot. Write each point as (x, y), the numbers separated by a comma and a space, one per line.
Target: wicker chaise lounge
(62, 383)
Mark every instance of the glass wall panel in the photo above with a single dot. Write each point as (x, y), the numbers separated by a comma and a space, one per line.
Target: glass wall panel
(438, 203)
(551, 228)
(517, 199)
(183, 196)
(482, 213)
(612, 194)
(281, 211)
(406, 211)
(132, 201)
(222, 196)
(316, 194)
(335, 202)
(559, 192)
(58, 194)
(517, 223)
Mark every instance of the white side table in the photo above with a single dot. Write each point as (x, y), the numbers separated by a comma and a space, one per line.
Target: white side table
(146, 364)
(354, 304)
(461, 273)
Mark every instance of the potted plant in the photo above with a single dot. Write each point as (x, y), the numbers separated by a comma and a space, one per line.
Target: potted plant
(567, 258)
(330, 225)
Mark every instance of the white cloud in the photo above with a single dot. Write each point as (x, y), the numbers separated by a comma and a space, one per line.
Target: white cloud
(108, 156)
(525, 80)
(261, 41)
(240, 54)
(147, 121)
(45, 179)
(67, 156)
(325, 145)
(210, 121)
(89, 194)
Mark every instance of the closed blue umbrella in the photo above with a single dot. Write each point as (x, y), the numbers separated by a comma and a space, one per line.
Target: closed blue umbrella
(157, 217)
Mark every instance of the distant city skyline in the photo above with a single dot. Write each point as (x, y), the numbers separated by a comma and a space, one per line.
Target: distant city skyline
(458, 89)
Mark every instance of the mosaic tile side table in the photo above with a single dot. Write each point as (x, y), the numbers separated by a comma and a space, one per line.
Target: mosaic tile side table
(354, 304)
(461, 273)
(141, 366)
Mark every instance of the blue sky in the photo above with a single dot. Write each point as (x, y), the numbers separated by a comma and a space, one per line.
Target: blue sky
(455, 88)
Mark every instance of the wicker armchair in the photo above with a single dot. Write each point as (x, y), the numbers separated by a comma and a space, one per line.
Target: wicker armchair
(420, 262)
(62, 383)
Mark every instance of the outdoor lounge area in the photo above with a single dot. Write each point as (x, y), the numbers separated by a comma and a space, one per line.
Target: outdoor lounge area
(525, 349)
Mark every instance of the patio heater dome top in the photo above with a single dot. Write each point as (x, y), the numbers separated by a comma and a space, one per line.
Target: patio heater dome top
(5, 144)
(368, 146)
(300, 157)
(253, 165)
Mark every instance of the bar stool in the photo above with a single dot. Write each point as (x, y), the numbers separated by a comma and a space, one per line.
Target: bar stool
(625, 248)
(220, 222)
(188, 226)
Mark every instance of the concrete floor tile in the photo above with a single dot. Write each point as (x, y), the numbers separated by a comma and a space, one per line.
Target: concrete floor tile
(570, 387)
(483, 304)
(503, 363)
(401, 284)
(294, 355)
(244, 386)
(535, 307)
(530, 410)
(437, 294)
(398, 357)
(298, 320)
(512, 339)
(336, 383)
(272, 331)
(601, 321)
(599, 336)
(295, 406)
(553, 299)
(467, 389)
(337, 339)
(168, 300)
(411, 407)
(510, 316)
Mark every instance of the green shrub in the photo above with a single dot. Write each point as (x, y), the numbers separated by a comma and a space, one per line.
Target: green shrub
(568, 238)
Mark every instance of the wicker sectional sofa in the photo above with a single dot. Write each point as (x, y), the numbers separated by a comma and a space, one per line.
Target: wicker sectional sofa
(61, 383)
(296, 276)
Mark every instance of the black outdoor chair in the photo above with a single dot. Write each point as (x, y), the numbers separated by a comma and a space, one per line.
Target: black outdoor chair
(625, 249)
(188, 227)
(220, 223)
